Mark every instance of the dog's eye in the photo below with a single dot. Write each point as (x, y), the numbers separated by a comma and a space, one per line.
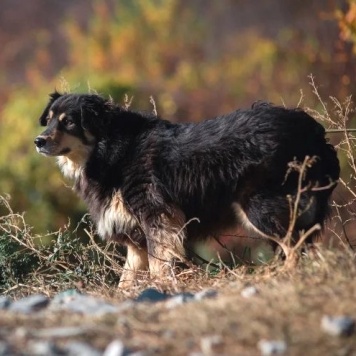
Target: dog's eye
(67, 122)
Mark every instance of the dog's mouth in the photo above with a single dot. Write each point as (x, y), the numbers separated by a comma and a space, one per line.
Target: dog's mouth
(51, 151)
(44, 151)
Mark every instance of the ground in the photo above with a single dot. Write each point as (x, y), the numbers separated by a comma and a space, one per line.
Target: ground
(289, 305)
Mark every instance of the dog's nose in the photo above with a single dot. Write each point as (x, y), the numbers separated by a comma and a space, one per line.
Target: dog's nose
(40, 142)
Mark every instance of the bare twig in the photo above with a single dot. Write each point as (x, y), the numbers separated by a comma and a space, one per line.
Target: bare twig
(154, 110)
(127, 102)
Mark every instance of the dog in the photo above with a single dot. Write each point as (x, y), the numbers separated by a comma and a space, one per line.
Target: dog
(153, 185)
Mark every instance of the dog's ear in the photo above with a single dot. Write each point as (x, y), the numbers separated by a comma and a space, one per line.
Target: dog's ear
(52, 98)
(94, 113)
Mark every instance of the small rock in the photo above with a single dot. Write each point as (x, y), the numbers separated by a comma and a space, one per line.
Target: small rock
(168, 334)
(116, 348)
(208, 344)
(76, 348)
(249, 292)
(29, 304)
(179, 299)
(4, 302)
(5, 349)
(60, 332)
(272, 347)
(338, 325)
(152, 295)
(206, 294)
(21, 333)
(43, 348)
(85, 304)
(65, 296)
(127, 304)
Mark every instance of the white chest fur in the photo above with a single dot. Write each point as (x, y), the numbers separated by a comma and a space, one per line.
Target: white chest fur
(70, 168)
(115, 218)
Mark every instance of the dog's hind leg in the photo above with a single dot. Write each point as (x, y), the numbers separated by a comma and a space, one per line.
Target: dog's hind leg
(269, 214)
(136, 260)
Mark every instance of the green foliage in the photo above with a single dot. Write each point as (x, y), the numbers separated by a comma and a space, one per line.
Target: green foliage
(60, 259)
(16, 262)
(347, 23)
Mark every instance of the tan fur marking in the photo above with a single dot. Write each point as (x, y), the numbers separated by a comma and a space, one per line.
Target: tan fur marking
(61, 116)
(51, 114)
(73, 163)
(115, 216)
(245, 221)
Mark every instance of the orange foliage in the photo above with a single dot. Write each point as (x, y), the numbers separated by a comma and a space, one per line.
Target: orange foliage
(347, 23)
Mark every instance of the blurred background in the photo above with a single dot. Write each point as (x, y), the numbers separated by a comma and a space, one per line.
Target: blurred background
(196, 58)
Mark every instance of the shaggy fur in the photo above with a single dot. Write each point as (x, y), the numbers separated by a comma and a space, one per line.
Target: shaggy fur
(153, 185)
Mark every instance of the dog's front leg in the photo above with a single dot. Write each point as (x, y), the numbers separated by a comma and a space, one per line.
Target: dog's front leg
(165, 238)
(136, 260)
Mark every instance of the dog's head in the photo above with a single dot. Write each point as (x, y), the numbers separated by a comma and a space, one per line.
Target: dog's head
(73, 123)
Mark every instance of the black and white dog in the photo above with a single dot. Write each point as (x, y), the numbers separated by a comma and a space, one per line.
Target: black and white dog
(152, 185)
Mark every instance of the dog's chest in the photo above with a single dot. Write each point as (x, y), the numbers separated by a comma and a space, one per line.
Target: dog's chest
(114, 218)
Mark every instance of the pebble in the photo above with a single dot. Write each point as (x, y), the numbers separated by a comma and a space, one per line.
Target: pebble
(5, 349)
(65, 296)
(77, 348)
(127, 304)
(152, 295)
(206, 294)
(4, 302)
(208, 344)
(338, 325)
(29, 304)
(249, 292)
(272, 347)
(43, 348)
(179, 299)
(85, 304)
(116, 348)
(60, 332)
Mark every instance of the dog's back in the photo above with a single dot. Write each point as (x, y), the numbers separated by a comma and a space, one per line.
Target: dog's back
(235, 168)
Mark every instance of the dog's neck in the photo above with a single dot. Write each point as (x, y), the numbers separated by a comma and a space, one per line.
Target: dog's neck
(72, 165)
(69, 168)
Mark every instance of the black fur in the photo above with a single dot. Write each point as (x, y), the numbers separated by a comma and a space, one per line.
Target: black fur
(200, 170)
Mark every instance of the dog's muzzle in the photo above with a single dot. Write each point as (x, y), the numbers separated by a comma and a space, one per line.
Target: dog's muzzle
(40, 142)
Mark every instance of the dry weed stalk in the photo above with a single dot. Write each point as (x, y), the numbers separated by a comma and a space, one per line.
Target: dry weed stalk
(64, 261)
(14, 226)
(154, 109)
(127, 102)
(290, 248)
(337, 121)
